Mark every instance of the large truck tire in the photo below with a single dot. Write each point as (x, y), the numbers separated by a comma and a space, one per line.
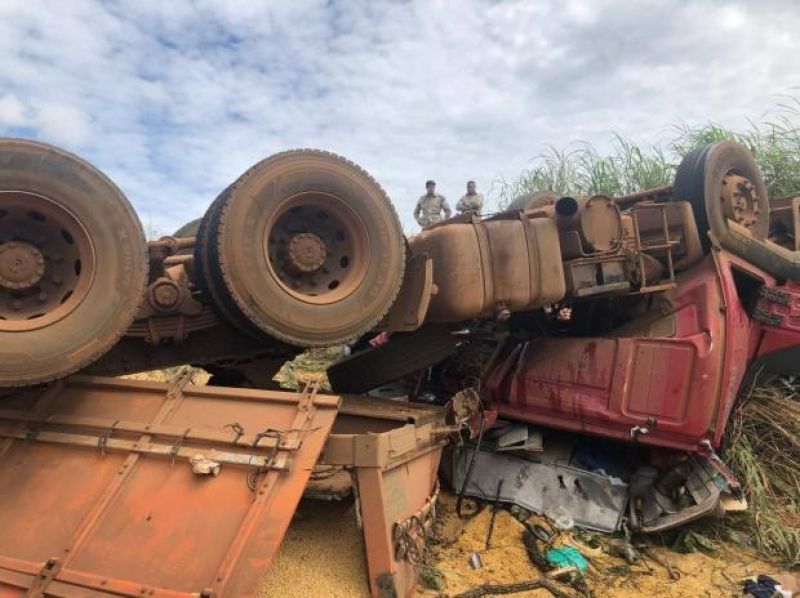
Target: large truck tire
(722, 182)
(401, 355)
(730, 204)
(304, 247)
(73, 263)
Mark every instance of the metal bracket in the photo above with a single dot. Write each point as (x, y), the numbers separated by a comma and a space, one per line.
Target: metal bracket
(43, 579)
(102, 440)
(175, 390)
(177, 446)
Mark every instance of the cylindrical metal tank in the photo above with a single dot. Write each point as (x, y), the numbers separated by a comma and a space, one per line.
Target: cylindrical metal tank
(595, 219)
(482, 268)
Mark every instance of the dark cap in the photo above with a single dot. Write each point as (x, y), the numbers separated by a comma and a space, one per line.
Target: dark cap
(430, 182)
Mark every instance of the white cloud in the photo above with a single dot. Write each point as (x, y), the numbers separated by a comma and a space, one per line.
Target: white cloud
(63, 123)
(174, 100)
(12, 111)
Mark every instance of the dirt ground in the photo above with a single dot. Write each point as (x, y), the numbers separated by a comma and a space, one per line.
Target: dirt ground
(323, 555)
(715, 574)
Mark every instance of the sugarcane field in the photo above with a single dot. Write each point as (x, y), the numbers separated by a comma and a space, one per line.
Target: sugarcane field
(249, 347)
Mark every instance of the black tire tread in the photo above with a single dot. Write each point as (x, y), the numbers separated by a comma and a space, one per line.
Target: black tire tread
(402, 355)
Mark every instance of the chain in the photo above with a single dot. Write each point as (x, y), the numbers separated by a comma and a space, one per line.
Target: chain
(411, 535)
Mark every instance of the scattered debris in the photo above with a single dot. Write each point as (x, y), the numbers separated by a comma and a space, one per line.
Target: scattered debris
(690, 540)
(789, 581)
(201, 465)
(495, 506)
(475, 561)
(513, 588)
(514, 437)
(309, 366)
(673, 573)
(764, 586)
(575, 496)
(562, 519)
(624, 550)
(566, 556)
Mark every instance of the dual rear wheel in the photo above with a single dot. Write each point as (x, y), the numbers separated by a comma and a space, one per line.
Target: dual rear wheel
(304, 247)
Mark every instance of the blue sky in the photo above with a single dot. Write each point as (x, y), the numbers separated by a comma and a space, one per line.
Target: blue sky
(173, 100)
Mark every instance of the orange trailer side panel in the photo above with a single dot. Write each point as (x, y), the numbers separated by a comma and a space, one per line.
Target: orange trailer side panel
(98, 493)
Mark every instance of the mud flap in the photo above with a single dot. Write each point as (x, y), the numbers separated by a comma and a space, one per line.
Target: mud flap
(100, 497)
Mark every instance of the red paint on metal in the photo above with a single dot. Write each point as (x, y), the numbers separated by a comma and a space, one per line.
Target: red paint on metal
(680, 387)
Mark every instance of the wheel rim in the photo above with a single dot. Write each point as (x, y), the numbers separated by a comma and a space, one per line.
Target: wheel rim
(740, 201)
(317, 248)
(47, 261)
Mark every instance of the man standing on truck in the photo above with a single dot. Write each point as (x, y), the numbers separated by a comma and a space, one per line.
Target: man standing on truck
(430, 206)
(471, 202)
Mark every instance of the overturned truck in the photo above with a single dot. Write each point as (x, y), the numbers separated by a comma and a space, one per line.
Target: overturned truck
(638, 318)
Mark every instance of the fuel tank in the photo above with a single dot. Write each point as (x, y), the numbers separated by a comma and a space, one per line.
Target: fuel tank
(490, 268)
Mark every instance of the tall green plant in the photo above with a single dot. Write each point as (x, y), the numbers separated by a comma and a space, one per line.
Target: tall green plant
(579, 169)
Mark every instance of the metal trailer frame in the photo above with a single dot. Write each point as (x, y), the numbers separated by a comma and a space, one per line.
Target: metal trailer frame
(395, 482)
(102, 493)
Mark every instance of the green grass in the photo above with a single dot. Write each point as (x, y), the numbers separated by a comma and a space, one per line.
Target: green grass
(762, 445)
(579, 169)
(308, 366)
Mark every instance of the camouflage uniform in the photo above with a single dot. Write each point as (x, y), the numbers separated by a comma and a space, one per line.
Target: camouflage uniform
(470, 203)
(429, 209)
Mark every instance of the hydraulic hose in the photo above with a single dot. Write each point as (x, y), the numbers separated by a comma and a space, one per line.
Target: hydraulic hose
(471, 466)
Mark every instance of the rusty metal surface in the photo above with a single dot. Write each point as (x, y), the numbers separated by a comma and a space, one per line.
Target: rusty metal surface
(389, 453)
(374, 409)
(480, 268)
(99, 496)
(595, 220)
(46, 271)
(389, 498)
(655, 194)
(409, 310)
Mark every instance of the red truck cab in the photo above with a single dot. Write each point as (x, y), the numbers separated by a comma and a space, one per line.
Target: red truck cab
(671, 377)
